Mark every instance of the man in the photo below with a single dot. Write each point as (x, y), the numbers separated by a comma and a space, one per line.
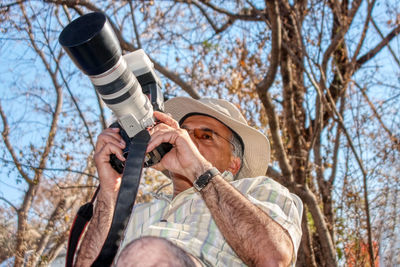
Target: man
(223, 221)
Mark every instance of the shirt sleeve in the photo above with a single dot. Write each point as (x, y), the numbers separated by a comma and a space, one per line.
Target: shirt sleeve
(277, 202)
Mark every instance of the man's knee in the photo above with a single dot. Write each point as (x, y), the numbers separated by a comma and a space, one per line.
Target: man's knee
(153, 251)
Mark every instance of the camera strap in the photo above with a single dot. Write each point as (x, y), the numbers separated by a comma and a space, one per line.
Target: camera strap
(126, 198)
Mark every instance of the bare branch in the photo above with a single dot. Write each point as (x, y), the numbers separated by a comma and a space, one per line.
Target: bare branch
(50, 169)
(262, 91)
(263, 87)
(306, 246)
(9, 203)
(373, 52)
(364, 31)
(129, 47)
(392, 137)
(134, 25)
(326, 241)
(6, 7)
(340, 33)
(5, 134)
(388, 45)
(277, 143)
(56, 249)
(66, 11)
(217, 30)
(337, 142)
(176, 79)
(247, 15)
(45, 236)
(74, 3)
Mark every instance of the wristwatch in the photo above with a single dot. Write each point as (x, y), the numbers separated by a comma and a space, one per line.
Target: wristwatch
(205, 178)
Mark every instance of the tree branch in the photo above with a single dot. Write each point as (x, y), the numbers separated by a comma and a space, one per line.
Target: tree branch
(45, 236)
(176, 79)
(276, 28)
(217, 30)
(373, 52)
(247, 15)
(5, 134)
(9, 203)
(134, 25)
(50, 169)
(388, 45)
(392, 137)
(365, 28)
(262, 90)
(74, 3)
(277, 143)
(326, 241)
(6, 7)
(339, 36)
(306, 241)
(56, 249)
(337, 142)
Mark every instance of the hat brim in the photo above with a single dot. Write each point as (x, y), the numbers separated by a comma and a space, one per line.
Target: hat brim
(256, 145)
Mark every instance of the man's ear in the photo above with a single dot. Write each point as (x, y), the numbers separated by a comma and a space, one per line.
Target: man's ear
(234, 165)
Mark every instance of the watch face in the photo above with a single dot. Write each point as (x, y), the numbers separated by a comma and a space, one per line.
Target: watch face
(205, 178)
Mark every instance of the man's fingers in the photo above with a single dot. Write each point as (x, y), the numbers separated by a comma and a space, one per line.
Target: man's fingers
(166, 119)
(109, 136)
(163, 136)
(103, 156)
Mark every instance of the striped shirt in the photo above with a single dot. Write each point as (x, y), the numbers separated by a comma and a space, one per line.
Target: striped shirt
(187, 222)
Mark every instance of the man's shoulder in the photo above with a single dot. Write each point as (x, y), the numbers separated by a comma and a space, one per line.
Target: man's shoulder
(258, 181)
(261, 186)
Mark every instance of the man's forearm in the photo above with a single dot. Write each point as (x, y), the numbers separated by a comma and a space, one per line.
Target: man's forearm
(97, 231)
(253, 235)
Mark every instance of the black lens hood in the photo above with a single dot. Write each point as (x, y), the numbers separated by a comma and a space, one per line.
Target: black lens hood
(91, 43)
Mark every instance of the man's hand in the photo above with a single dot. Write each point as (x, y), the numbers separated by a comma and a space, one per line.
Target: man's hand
(184, 158)
(108, 142)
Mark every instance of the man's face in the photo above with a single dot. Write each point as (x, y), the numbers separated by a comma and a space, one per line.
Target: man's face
(212, 138)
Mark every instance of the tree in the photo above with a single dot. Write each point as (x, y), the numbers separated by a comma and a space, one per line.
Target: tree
(310, 74)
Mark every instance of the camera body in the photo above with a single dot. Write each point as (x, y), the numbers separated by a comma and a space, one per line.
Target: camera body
(143, 69)
(127, 84)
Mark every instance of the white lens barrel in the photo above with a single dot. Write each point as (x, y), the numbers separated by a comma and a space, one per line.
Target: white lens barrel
(122, 93)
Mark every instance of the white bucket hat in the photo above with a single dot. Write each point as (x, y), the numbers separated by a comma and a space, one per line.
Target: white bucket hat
(256, 145)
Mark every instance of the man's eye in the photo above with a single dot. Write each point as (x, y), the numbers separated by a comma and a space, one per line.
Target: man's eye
(206, 136)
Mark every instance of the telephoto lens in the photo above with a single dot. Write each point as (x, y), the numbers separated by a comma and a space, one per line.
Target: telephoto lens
(93, 46)
(91, 43)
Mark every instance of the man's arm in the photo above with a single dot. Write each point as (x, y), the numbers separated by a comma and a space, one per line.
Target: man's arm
(97, 231)
(256, 238)
(108, 142)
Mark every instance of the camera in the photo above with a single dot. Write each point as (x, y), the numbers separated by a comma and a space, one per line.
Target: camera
(127, 84)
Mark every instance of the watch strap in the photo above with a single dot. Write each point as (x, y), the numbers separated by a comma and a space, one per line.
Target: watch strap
(203, 180)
